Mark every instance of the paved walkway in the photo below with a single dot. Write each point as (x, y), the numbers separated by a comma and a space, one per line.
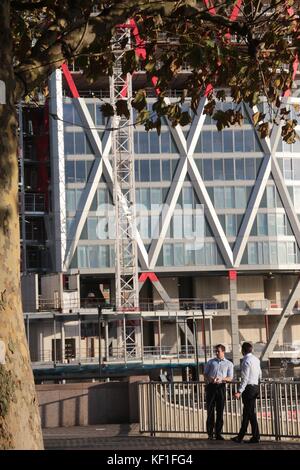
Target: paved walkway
(127, 437)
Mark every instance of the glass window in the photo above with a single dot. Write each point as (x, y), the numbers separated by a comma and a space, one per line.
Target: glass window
(252, 253)
(92, 228)
(250, 168)
(282, 253)
(207, 169)
(199, 254)
(273, 252)
(296, 167)
(144, 170)
(80, 171)
(165, 142)
(89, 165)
(93, 256)
(206, 142)
(137, 170)
(78, 196)
(188, 225)
(136, 142)
(219, 198)
(68, 113)
(198, 148)
(248, 141)
(104, 228)
(178, 254)
(79, 143)
(238, 141)
(69, 143)
(143, 142)
(103, 256)
(271, 197)
(218, 169)
(209, 254)
(144, 226)
(271, 225)
(230, 225)
(174, 148)
(240, 197)
(70, 200)
(229, 197)
(262, 224)
(177, 227)
(145, 198)
(174, 164)
(287, 168)
(189, 254)
(229, 169)
(166, 170)
(239, 169)
(155, 170)
(257, 145)
(291, 253)
(187, 197)
(70, 171)
(154, 142)
(155, 226)
(297, 198)
(100, 120)
(217, 141)
(82, 258)
(91, 109)
(228, 141)
(168, 254)
(156, 198)
(280, 224)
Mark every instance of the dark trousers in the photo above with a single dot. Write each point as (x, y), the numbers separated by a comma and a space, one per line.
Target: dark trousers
(215, 399)
(249, 397)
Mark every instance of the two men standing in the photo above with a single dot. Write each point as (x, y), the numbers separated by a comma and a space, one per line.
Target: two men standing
(217, 372)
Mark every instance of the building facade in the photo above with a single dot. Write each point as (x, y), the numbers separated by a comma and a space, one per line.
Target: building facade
(218, 236)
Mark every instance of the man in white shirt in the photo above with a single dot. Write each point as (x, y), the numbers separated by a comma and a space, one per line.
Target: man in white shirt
(249, 389)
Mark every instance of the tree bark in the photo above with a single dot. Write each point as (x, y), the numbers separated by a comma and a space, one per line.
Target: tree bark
(20, 426)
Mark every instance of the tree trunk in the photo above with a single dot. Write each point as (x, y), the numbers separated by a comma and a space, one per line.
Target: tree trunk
(20, 426)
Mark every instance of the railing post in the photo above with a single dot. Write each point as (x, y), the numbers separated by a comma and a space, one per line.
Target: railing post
(275, 404)
(152, 410)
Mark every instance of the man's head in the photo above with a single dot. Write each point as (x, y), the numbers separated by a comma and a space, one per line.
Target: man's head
(220, 351)
(247, 348)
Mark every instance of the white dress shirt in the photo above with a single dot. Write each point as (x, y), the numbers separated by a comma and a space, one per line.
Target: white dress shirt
(250, 371)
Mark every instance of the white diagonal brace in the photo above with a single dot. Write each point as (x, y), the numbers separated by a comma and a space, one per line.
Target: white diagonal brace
(285, 314)
(186, 150)
(286, 199)
(101, 164)
(269, 146)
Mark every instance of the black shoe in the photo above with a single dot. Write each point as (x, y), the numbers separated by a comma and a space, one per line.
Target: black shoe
(210, 438)
(253, 440)
(219, 437)
(236, 439)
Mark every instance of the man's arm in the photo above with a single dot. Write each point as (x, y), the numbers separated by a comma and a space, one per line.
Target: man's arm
(207, 376)
(229, 376)
(244, 376)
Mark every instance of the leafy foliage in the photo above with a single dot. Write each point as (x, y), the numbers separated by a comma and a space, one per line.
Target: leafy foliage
(249, 59)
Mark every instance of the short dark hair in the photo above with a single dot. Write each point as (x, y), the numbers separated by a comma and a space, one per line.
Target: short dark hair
(221, 346)
(247, 348)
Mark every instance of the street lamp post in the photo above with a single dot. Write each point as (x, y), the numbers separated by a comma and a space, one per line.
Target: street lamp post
(203, 332)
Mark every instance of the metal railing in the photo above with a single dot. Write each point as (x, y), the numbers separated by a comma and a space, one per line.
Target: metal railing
(180, 407)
